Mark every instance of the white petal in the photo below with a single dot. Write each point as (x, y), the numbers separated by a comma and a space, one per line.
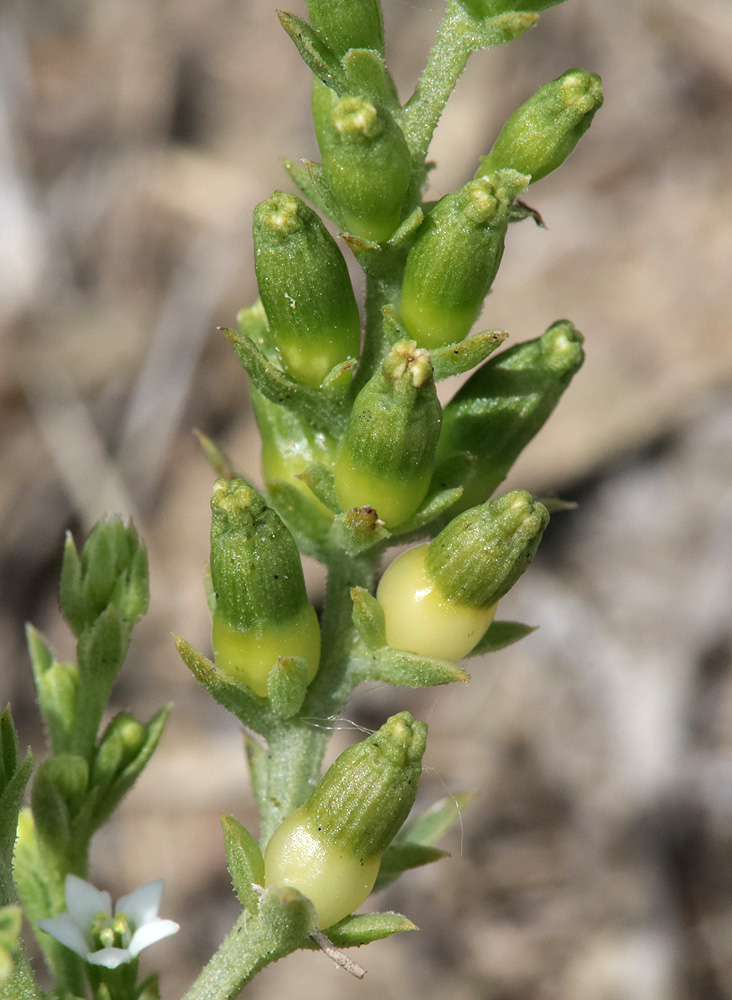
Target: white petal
(109, 957)
(141, 906)
(65, 930)
(149, 933)
(84, 901)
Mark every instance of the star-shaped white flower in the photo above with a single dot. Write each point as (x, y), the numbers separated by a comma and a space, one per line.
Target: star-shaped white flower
(89, 928)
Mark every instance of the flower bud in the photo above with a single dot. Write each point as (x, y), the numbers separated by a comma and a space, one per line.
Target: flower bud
(330, 849)
(455, 257)
(122, 741)
(504, 404)
(366, 162)
(305, 288)
(539, 137)
(386, 457)
(262, 611)
(348, 24)
(439, 599)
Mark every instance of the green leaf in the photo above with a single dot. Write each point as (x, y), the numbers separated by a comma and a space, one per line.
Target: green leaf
(397, 666)
(57, 796)
(313, 405)
(320, 481)
(315, 53)
(234, 696)
(454, 359)
(245, 861)
(434, 505)
(14, 777)
(217, 457)
(400, 857)
(368, 617)
(56, 685)
(309, 524)
(434, 822)
(101, 651)
(308, 176)
(149, 988)
(132, 767)
(500, 635)
(287, 684)
(362, 928)
(70, 591)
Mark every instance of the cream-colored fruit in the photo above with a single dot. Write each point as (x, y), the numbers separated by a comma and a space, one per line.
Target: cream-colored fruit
(420, 619)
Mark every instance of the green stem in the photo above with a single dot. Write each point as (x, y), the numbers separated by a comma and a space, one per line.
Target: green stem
(379, 293)
(447, 59)
(296, 750)
(249, 947)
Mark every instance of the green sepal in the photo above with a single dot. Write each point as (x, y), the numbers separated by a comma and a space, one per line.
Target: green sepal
(494, 8)
(454, 359)
(111, 571)
(115, 772)
(244, 860)
(14, 776)
(316, 54)
(313, 405)
(309, 524)
(288, 915)
(368, 617)
(346, 25)
(427, 827)
(436, 503)
(500, 635)
(455, 258)
(502, 406)
(356, 530)
(485, 31)
(363, 928)
(365, 796)
(541, 134)
(404, 669)
(482, 552)
(320, 481)
(57, 795)
(366, 161)
(239, 699)
(218, 459)
(287, 684)
(306, 291)
(57, 686)
(308, 176)
(401, 857)
(366, 73)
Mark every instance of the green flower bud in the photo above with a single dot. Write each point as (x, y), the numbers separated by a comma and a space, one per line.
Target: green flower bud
(539, 137)
(348, 24)
(455, 257)
(330, 849)
(387, 454)
(305, 288)
(122, 741)
(262, 610)
(366, 162)
(504, 404)
(439, 599)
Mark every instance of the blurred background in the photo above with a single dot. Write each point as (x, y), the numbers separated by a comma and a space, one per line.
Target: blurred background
(136, 137)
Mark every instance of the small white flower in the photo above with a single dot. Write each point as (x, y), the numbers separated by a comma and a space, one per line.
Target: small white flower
(89, 928)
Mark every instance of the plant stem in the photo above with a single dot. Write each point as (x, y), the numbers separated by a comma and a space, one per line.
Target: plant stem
(451, 51)
(249, 947)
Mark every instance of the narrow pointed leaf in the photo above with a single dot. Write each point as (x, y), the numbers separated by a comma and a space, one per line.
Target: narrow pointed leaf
(454, 359)
(500, 635)
(400, 857)
(315, 53)
(362, 928)
(434, 822)
(396, 666)
(287, 684)
(245, 861)
(368, 617)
